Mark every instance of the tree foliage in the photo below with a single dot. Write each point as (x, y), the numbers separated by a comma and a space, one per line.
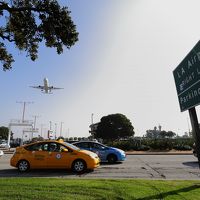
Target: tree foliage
(156, 134)
(114, 126)
(26, 23)
(4, 132)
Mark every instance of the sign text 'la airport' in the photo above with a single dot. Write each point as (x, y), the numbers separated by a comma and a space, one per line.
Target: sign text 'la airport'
(187, 79)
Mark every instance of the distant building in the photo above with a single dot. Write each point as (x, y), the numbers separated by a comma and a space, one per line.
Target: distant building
(93, 128)
(155, 133)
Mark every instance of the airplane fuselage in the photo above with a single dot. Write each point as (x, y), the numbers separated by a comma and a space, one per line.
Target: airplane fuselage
(46, 85)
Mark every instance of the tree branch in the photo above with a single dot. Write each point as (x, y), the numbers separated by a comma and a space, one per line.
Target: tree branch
(5, 6)
(6, 37)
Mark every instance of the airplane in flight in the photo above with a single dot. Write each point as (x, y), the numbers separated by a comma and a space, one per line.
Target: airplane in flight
(46, 88)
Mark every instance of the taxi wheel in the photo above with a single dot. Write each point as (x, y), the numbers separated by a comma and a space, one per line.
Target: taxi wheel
(112, 158)
(23, 166)
(79, 166)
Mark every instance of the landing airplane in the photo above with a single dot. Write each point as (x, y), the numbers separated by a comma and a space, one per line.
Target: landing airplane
(46, 88)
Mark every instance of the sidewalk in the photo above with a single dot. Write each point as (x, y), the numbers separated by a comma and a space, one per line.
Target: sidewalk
(8, 151)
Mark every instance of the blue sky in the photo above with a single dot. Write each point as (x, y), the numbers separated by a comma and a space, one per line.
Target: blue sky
(122, 63)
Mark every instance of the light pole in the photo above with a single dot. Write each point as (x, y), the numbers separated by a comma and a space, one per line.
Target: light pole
(61, 123)
(34, 125)
(24, 107)
(92, 116)
(35, 117)
(41, 132)
(50, 125)
(55, 129)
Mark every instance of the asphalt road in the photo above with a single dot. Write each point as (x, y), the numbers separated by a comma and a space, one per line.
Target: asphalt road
(179, 167)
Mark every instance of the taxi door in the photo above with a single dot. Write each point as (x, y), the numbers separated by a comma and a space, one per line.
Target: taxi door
(37, 155)
(57, 157)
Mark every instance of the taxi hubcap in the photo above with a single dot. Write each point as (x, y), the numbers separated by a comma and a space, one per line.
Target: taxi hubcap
(79, 166)
(23, 166)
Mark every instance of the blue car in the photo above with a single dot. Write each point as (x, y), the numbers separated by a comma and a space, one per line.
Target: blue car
(105, 153)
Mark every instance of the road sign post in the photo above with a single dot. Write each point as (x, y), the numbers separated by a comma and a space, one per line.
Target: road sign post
(187, 80)
(195, 130)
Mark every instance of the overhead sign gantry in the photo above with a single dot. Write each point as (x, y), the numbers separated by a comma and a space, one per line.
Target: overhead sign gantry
(24, 123)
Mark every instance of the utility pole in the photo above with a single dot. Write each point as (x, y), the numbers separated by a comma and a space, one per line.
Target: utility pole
(34, 125)
(24, 108)
(42, 126)
(92, 117)
(61, 123)
(50, 125)
(55, 130)
(35, 117)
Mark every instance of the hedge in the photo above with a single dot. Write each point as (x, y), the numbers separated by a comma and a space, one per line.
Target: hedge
(145, 144)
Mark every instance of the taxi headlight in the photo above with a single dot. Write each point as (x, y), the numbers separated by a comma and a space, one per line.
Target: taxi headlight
(94, 156)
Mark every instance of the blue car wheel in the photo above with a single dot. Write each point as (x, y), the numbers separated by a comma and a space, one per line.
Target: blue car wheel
(112, 158)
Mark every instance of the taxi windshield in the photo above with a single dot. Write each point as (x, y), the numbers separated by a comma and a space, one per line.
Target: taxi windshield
(72, 146)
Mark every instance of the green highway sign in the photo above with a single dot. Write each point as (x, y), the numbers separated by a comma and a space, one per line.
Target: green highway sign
(187, 79)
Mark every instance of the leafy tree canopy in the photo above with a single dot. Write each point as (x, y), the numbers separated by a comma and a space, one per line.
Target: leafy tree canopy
(26, 23)
(4, 132)
(114, 126)
(36, 139)
(156, 134)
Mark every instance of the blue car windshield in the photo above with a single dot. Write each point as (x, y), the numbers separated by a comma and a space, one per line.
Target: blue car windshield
(72, 146)
(100, 146)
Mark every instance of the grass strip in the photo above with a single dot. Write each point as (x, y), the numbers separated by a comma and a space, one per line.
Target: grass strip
(90, 189)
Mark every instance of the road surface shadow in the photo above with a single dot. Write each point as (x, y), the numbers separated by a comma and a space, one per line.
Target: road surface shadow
(42, 173)
(193, 164)
(106, 163)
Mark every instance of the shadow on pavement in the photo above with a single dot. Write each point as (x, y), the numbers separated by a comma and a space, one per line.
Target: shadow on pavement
(42, 173)
(193, 164)
(106, 163)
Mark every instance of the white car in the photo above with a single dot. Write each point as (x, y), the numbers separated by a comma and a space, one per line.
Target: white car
(1, 153)
(4, 145)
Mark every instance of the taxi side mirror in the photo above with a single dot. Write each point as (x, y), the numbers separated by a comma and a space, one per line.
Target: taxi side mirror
(64, 150)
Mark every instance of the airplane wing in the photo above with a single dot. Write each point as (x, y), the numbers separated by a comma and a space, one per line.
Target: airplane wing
(38, 87)
(54, 88)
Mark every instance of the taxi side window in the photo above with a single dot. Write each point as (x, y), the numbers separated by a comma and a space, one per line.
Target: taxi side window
(62, 148)
(45, 147)
(34, 147)
(54, 147)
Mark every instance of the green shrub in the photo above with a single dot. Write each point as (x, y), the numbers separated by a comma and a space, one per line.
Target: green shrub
(145, 144)
(183, 147)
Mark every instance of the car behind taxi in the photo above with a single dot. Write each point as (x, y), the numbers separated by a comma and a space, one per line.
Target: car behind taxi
(105, 153)
(53, 154)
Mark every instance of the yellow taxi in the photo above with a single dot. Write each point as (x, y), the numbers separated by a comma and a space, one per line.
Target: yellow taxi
(51, 154)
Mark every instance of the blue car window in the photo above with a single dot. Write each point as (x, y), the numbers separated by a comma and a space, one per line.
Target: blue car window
(98, 146)
(83, 145)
